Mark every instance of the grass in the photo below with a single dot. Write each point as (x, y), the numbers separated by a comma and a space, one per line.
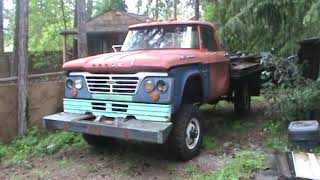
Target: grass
(276, 136)
(38, 143)
(209, 142)
(244, 166)
(191, 170)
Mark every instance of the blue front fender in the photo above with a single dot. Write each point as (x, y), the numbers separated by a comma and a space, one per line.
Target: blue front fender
(181, 76)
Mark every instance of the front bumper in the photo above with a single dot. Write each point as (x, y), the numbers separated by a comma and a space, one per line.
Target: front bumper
(147, 131)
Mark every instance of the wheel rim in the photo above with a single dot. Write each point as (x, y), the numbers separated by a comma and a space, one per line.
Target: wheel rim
(193, 133)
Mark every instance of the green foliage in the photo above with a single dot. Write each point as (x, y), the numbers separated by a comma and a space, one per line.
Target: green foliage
(209, 142)
(293, 103)
(46, 21)
(275, 135)
(38, 143)
(257, 25)
(287, 72)
(243, 166)
(2, 152)
(47, 18)
(52, 60)
(289, 94)
(103, 5)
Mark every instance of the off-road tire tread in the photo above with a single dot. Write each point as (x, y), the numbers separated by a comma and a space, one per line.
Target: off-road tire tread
(177, 136)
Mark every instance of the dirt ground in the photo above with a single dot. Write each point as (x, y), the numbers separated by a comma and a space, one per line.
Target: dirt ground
(228, 134)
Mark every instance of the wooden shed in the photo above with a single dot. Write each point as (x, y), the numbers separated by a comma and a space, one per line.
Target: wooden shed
(104, 31)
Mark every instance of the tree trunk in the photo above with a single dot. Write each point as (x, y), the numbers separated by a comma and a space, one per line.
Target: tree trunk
(196, 9)
(75, 44)
(1, 28)
(82, 30)
(14, 58)
(157, 10)
(89, 9)
(175, 9)
(63, 15)
(22, 52)
(217, 13)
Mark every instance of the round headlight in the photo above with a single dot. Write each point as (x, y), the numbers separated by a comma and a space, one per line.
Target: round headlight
(78, 84)
(69, 83)
(162, 86)
(148, 86)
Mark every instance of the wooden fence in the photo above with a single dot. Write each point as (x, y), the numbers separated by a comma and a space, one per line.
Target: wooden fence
(45, 96)
(39, 62)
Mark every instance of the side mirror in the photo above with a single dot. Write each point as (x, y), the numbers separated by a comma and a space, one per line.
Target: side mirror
(116, 48)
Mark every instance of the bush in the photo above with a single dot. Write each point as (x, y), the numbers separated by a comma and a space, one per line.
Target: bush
(293, 104)
(2, 152)
(289, 94)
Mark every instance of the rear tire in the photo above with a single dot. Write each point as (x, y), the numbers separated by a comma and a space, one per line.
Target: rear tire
(186, 137)
(97, 141)
(242, 100)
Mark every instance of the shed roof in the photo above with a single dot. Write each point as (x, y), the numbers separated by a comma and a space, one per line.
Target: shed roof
(110, 21)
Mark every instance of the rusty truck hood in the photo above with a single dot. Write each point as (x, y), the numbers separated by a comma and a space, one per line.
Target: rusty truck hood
(133, 61)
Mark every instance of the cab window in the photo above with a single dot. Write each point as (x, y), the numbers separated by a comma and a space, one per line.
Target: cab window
(208, 40)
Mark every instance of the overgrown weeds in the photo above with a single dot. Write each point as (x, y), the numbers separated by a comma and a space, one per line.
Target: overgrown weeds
(246, 164)
(276, 136)
(290, 96)
(210, 143)
(39, 143)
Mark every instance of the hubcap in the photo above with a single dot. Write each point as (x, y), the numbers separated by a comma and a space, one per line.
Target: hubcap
(193, 133)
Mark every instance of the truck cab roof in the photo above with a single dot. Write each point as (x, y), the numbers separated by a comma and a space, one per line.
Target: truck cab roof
(170, 22)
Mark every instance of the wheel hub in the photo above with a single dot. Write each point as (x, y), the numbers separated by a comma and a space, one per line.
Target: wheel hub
(192, 132)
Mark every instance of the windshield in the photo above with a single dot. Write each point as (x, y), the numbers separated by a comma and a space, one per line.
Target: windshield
(162, 37)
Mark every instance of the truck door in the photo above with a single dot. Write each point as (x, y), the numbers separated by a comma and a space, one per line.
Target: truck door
(217, 62)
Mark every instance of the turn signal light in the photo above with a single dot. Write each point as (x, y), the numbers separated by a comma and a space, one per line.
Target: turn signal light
(74, 92)
(155, 96)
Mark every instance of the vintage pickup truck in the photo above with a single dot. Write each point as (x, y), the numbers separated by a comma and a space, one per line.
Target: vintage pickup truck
(152, 88)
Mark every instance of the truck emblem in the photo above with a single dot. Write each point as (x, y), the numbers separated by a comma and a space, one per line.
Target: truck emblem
(119, 64)
(111, 82)
(182, 57)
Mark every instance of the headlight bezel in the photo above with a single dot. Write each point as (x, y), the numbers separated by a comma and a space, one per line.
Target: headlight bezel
(70, 83)
(164, 84)
(148, 85)
(78, 84)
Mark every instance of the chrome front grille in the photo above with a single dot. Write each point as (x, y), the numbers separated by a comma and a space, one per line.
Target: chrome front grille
(115, 83)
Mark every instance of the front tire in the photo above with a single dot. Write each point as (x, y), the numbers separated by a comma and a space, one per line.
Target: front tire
(187, 133)
(97, 141)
